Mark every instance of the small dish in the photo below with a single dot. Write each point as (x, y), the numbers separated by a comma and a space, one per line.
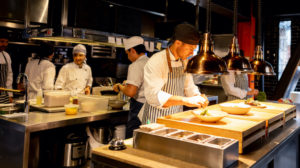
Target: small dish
(71, 109)
(235, 108)
(209, 116)
(116, 104)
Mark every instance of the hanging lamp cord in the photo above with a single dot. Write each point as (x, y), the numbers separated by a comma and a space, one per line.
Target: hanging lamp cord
(235, 11)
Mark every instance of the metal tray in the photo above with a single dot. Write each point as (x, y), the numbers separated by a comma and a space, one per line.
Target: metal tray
(197, 148)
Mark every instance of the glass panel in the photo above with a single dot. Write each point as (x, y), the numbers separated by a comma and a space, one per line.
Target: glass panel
(284, 45)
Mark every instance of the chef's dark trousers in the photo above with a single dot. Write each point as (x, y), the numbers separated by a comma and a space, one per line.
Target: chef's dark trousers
(133, 120)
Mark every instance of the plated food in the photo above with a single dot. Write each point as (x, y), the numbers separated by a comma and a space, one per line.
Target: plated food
(235, 108)
(255, 103)
(208, 115)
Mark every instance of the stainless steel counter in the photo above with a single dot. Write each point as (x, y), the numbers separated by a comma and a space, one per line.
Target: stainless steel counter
(38, 121)
(15, 133)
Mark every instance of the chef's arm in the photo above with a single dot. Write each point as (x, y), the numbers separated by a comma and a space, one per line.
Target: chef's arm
(128, 89)
(228, 81)
(49, 75)
(195, 101)
(190, 89)
(61, 79)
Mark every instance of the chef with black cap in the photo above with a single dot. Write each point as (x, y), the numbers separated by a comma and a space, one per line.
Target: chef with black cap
(167, 86)
(6, 74)
(77, 75)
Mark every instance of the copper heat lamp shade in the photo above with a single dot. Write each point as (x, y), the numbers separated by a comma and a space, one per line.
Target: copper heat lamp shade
(234, 60)
(206, 62)
(260, 66)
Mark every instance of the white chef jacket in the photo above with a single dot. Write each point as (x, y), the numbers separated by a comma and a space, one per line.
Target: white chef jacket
(40, 76)
(135, 77)
(228, 81)
(9, 79)
(156, 75)
(73, 78)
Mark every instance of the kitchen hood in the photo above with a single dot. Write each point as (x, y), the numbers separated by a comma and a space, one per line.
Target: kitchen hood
(84, 36)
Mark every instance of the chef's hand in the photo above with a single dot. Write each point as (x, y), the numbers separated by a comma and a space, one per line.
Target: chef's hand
(87, 90)
(196, 101)
(253, 92)
(116, 87)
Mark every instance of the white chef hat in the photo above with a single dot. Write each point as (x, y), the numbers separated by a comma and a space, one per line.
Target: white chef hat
(133, 41)
(79, 48)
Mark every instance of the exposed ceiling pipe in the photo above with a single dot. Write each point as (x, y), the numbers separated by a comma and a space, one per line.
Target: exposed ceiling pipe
(137, 9)
(197, 15)
(64, 15)
(27, 14)
(166, 11)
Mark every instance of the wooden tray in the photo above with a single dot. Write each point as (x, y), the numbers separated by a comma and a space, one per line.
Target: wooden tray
(288, 111)
(244, 128)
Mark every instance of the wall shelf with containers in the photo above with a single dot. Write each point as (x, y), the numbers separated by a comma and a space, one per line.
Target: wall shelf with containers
(62, 55)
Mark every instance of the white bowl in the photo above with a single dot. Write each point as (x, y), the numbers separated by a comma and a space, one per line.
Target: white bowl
(235, 108)
(116, 104)
(213, 116)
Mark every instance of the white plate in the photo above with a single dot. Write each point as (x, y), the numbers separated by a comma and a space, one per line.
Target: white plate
(235, 108)
(213, 116)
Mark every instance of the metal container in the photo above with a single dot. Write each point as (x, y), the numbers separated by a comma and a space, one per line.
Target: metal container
(76, 150)
(202, 149)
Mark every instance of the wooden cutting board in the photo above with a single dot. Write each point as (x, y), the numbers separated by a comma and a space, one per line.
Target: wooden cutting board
(226, 127)
(252, 115)
(270, 107)
(288, 111)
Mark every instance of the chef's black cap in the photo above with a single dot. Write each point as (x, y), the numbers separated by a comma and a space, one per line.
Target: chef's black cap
(186, 33)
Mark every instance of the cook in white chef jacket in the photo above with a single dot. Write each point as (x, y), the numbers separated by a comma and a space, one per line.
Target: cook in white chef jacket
(6, 74)
(235, 85)
(167, 86)
(41, 71)
(76, 76)
(134, 85)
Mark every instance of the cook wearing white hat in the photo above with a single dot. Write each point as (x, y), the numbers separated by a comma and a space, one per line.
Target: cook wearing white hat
(133, 41)
(134, 85)
(79, 48)
(76, 76)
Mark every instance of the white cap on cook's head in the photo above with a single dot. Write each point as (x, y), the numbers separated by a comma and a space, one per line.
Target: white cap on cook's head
(79, 48)
(133, 41)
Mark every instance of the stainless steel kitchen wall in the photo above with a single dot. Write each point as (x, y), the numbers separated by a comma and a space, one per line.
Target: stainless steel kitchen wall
(15, 10)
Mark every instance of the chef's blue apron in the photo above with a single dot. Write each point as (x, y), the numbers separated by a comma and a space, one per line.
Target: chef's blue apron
(133, 120)
(3, 78)
(174, 86)
(241, 81)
